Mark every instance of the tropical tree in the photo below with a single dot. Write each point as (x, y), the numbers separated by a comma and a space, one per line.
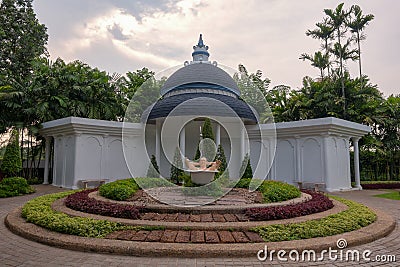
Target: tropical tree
(337, 18)
(12, 162)
(357, 23)
(318, 60)
(23, 39)
(323, 32)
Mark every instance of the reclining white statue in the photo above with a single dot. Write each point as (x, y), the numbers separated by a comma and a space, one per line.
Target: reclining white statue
(202, 172)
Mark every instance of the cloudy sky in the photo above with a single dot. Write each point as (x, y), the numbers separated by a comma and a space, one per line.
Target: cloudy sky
(126, 35)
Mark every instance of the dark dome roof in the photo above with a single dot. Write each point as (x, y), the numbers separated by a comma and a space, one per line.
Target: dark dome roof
(201, 107)
(200, 73)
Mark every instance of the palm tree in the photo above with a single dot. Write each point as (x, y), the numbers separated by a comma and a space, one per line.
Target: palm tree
(318, 60)
(337, 19)
(344, 52)
(323, 32)
(357, 25)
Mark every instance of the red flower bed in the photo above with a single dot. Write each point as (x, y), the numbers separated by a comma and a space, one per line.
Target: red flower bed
(381, 186)
(318, 203)
(81, 201)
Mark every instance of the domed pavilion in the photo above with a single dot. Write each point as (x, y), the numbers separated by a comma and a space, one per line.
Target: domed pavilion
(309, 152)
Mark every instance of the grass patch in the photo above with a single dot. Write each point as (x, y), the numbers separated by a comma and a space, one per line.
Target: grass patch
(354, 218)
(394, 195)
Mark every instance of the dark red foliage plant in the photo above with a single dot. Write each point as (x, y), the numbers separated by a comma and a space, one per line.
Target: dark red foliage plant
(81, 201)
(318, 203)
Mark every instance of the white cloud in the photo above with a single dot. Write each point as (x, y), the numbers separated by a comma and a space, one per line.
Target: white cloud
(267, 35)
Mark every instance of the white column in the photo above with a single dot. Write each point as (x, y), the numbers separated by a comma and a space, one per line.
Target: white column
(242, 145)
(356, 162)
(218, 135)
(46, 160)
(327, 177)
(298, 159)
(158, 141)
(182, 141)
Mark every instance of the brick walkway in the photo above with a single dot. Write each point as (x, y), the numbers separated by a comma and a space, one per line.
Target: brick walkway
(17, 251)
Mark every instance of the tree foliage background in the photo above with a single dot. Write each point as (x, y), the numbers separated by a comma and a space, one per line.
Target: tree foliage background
(34, 89)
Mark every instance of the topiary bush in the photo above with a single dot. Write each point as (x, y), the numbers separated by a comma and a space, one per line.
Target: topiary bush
(176, 168)
(12, 162)
(223, 175)
(276, 191)
(273, 191)
(15, 186)
(245, 169)
(119, 190)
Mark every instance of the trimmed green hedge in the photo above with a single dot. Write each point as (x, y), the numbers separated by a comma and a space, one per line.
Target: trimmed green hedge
(119, 190)
(14, 186)
(124, 189)
(354, 218)
(38, 211)
(273, 191)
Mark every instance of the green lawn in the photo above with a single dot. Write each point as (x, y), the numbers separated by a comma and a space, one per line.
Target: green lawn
(393, 194)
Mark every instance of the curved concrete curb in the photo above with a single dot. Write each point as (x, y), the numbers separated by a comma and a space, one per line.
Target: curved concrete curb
(382, 227)
(164, 208)
(59, 205)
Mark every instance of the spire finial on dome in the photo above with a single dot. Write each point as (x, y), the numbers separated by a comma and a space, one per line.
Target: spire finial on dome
(200, 43)
(200, 53)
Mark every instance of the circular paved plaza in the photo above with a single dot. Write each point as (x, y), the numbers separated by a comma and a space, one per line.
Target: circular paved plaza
(17, 251)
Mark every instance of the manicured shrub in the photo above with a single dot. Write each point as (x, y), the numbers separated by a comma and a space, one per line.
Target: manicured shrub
(14, 186)
(82, 202)
(223, 175)
(153, 170)
(318, 203)
(38, 211)
(12, 162)
(354, 218)
(119, 190)
(176, 167)
(245, 169)
(273, 191)
(394, 185)
(206, 132)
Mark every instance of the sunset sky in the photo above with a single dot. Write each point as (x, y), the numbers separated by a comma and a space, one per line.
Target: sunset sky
(120, 36)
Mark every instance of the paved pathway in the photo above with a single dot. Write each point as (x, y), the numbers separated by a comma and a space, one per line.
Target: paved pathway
(17, 251)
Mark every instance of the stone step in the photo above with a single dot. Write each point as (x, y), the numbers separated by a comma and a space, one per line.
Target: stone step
(184, 217)
(188, 236)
